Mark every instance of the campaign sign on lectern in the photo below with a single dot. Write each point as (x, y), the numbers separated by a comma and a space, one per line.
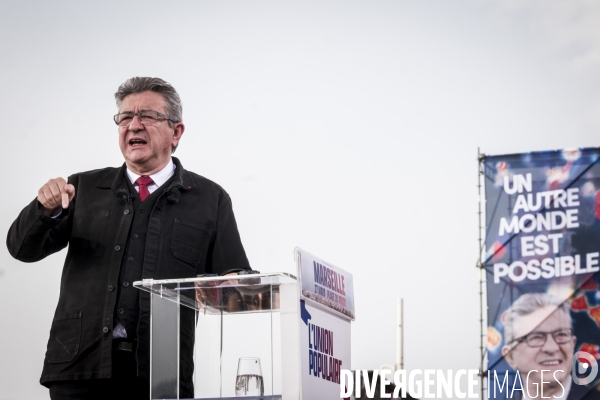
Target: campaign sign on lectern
(326, 310)
(248, 336)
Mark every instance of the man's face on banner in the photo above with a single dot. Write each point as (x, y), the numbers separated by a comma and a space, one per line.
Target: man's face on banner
(538, 349)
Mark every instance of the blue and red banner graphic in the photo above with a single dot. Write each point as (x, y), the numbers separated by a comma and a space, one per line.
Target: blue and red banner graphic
(542, 263)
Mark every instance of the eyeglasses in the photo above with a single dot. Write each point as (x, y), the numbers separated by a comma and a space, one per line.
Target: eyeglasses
(146, 117)
(538, 339)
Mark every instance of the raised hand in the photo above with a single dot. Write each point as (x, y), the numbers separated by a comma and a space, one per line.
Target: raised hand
(55, 193)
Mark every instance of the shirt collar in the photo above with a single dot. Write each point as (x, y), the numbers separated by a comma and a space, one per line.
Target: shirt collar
(158, 178)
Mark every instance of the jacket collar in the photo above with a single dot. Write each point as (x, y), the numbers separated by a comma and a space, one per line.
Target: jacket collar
(117, 180)
(183, 179)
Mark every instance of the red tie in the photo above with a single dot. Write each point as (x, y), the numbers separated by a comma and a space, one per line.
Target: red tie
(143, 182)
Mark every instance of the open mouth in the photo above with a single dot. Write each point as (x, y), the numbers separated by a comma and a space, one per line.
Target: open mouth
(136, 142)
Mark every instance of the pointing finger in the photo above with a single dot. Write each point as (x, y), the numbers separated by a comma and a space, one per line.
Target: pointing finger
(70, 190)
(65, 200)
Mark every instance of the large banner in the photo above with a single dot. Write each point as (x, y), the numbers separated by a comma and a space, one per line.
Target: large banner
(542, 267)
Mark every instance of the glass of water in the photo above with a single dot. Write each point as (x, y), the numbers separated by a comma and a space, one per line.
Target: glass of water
(249, 380)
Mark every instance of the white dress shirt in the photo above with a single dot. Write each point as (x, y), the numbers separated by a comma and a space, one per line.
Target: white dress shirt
(158, 178)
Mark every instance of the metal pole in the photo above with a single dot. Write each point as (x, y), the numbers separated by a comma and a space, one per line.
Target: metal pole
(480, 265)
(400, 336)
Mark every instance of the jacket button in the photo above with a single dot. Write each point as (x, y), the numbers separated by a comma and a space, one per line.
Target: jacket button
(126, 212)
(110, 288)
(135, 236)
(126, 284)
(121, 311)
(117, 248)
(130, 259)
(105, 329)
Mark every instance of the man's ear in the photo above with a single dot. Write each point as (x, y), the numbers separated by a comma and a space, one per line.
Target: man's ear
(178, 129)
(508, 356)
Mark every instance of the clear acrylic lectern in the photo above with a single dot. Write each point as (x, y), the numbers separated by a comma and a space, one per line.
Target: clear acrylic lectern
(243, 331)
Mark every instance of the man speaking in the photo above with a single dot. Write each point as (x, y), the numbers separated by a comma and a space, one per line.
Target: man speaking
(149, 219)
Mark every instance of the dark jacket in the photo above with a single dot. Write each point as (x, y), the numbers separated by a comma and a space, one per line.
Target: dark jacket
(191, 231)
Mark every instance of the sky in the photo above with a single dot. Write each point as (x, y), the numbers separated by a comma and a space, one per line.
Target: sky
(348, 128)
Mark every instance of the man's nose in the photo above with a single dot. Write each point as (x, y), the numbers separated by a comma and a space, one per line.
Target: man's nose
(135, 124)
(550, 346)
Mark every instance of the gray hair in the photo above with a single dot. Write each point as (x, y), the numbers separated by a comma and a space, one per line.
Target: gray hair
(139, 84)
(527, 304)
